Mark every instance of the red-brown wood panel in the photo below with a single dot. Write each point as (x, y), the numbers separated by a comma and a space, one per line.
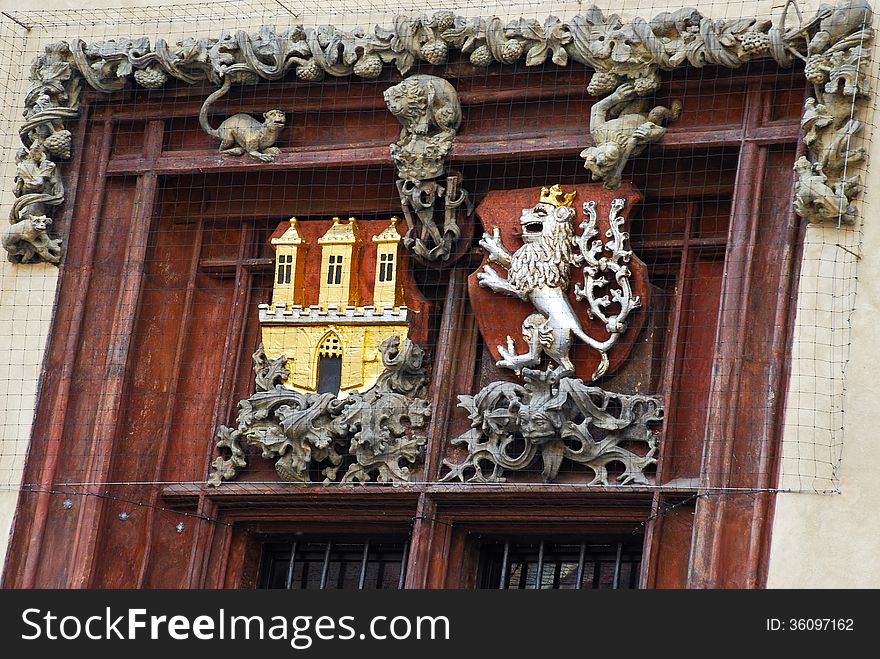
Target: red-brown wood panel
(682, 447)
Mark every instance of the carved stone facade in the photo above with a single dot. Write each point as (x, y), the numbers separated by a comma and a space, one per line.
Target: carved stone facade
(623, 55)
(367, 436)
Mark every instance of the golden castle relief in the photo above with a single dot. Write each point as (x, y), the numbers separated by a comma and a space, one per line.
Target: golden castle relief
(333, 346)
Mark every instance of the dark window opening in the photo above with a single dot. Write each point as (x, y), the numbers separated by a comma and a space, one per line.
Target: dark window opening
(331, 564)
(329, 374)
(285, 265)
(334, 270)
(386, 267)
(551, 565)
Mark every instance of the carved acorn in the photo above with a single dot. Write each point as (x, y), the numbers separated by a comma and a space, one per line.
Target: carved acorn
(369, 66)
(434, 51)
(481, 56)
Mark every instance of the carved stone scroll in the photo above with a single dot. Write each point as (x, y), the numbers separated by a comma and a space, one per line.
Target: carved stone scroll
(558, 419)
(366, 436)
(429, 113)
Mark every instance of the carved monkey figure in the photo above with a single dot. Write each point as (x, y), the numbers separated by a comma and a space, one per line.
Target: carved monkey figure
(241, 133)
(622, 126)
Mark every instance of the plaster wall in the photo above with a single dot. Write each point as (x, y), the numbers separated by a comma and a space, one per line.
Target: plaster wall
(826, 539)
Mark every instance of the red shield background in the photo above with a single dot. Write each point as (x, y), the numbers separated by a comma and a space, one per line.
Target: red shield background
(500, 316)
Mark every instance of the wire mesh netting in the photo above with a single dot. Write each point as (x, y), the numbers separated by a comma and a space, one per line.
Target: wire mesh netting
(726, 329)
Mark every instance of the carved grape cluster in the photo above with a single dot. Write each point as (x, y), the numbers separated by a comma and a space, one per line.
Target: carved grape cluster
(754, 42)
(151, 77)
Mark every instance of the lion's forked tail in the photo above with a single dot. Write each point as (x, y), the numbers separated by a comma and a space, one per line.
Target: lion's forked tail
(203, 113)
(603, 366)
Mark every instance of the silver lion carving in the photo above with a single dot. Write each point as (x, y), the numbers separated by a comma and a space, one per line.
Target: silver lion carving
(369, 436)
(539, 272)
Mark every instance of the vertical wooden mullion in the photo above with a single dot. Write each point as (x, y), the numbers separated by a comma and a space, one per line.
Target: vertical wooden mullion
(456, 346)
(235, 329)
(116, 368)
(171, 396)
(711, 563)
(61, 399)
(667, 381)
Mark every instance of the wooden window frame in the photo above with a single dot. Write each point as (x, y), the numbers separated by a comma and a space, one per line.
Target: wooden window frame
(745, 365)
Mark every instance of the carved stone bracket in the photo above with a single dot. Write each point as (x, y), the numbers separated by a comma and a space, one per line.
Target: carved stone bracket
(368, 435)
(562, 419)
(838, 55)
(620, 53)
(429, 113)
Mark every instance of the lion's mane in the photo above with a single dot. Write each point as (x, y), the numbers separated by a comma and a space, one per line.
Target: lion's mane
(545, 262)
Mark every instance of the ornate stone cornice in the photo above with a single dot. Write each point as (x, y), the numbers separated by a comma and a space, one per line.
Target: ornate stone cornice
(834, 44)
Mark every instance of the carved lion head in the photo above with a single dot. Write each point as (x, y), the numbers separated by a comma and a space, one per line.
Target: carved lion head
(547, 222)
(407, 100)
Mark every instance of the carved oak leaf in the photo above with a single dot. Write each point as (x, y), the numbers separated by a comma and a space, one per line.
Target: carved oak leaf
(550, 38)
(467, 35)
(34, 176)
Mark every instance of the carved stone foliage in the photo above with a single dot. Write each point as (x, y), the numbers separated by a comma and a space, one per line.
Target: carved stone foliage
(51, 100)
(429, 113)
(620, 53)
(364, 436)
(838, 56)
(559, 418)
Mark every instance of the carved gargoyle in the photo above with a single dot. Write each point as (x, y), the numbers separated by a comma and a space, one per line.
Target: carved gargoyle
(241, 133)
(622, 126)
(26, 241)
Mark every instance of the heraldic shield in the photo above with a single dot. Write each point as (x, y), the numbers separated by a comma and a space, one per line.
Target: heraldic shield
(559, 288)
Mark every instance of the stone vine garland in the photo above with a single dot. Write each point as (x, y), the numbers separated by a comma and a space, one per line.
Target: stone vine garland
(833, 43)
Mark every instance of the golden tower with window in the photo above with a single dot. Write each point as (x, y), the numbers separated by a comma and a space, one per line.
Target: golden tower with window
(340, 248)
(289, 266)
(334, 346)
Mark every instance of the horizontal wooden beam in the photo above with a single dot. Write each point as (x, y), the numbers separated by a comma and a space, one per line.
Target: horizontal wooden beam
(466, 149)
